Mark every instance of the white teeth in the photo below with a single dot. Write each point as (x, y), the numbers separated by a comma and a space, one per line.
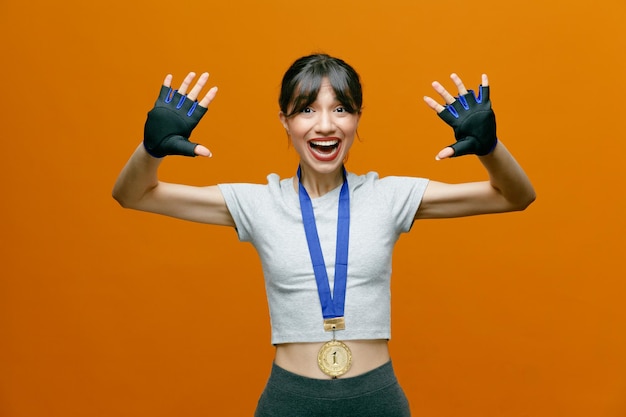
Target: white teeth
(324, 142)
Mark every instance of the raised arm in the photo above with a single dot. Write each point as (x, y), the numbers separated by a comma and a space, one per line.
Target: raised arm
(167, 131)
(473, 121)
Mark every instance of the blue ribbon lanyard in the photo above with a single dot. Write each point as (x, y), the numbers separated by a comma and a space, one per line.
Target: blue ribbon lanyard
(332, 304)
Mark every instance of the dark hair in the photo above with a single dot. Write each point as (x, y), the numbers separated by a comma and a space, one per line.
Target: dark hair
(302, 82)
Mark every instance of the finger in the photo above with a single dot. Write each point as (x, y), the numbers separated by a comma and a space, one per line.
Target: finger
(208, 98)
(186, 82)
(445, 153)
(448, 98)
(195, 91)
(167, 82)
(433, 104)
(201, 150)
(485, 80)
(459, 84)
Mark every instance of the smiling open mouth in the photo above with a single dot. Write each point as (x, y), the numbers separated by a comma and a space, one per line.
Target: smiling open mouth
(324, 147)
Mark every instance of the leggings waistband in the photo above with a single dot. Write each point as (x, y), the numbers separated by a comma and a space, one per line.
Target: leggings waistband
(374, 380)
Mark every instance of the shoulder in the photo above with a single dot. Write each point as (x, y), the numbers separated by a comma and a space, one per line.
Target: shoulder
(373, 180)
(273, 182)
(392, 199)
(275, 189)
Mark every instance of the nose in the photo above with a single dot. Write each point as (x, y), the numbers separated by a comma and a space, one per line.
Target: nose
(325, 124)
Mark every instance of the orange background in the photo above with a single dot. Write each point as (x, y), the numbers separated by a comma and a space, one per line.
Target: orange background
(110, 312)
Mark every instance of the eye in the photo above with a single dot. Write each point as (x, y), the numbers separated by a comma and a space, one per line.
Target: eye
(341, 109)
(307, 110)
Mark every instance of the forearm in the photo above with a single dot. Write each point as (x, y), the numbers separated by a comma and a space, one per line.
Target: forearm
(508, 178)
(137, 178)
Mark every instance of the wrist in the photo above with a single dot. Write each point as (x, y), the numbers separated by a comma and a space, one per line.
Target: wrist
(492, 151)
(149, 153)
(493, 148)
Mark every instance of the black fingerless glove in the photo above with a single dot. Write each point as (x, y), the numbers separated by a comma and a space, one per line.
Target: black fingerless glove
(170, 124)
(474, 123)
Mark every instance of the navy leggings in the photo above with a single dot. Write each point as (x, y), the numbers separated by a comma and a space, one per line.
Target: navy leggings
(373, 394)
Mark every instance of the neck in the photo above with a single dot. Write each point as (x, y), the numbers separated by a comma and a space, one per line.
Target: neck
(317, 184)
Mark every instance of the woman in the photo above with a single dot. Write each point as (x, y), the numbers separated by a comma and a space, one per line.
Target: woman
(325, 236)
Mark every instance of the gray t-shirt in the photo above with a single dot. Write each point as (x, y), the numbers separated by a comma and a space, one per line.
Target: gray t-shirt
(269, 216)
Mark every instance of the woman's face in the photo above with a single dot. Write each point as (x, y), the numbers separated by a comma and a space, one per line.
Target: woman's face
(322, 133)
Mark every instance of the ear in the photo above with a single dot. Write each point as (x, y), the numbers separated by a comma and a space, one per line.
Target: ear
(283, 120)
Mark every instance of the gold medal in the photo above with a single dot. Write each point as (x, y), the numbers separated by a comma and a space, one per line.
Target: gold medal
(334, 358)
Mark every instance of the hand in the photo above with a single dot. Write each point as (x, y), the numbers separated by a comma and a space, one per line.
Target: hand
(174, 116)
(471, 117)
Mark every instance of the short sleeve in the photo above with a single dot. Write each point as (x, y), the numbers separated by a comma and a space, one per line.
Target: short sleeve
(404, 196)
(240, 201)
